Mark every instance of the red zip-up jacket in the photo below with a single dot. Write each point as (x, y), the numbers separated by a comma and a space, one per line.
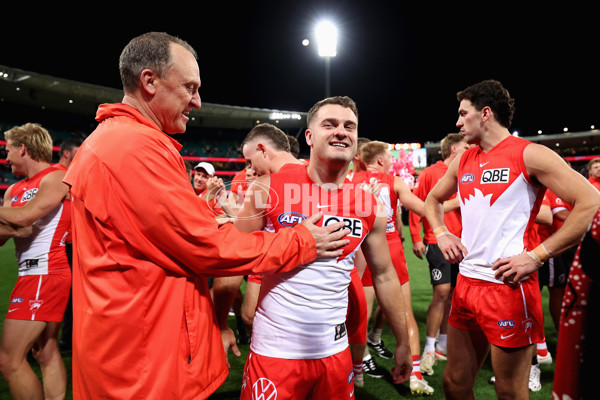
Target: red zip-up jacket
(144, 244)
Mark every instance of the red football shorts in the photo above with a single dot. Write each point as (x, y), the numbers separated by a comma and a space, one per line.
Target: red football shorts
(508, 316)
(356, 318)
(40, 297)
(270, 378)
(397, 254)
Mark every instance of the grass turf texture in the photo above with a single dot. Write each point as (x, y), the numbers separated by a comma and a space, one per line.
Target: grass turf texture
(373, 388)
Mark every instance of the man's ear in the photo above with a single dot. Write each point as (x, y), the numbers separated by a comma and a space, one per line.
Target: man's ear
(486, 113)
(260, 147)
(147, 81)
(308, 136)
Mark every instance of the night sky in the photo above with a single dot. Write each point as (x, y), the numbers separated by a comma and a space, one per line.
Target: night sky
(401, 62)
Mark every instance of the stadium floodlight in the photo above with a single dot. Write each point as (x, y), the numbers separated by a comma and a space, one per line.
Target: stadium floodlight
(326, 34)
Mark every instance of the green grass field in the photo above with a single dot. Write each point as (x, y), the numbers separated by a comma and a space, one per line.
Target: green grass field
(374, 388)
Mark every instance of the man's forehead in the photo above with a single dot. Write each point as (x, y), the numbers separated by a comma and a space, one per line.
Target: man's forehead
(336, 111)
(465, 104)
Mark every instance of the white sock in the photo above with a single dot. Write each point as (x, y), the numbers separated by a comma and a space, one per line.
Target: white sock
(375, 336)
(442, 343)
(429, 345)
(542, 345)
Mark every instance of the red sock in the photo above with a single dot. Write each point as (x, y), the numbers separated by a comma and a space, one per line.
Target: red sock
(416, 371)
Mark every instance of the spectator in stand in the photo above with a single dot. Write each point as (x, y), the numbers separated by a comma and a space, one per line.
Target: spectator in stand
(203, 171)
(143, 319)
(36, 213)
(593, 168)
(442, 273)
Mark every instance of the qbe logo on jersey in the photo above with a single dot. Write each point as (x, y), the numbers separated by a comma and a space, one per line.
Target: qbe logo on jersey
(353, 224)
(496, 175)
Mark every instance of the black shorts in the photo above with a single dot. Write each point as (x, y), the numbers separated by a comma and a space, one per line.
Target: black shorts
(555, 271)
(441, 271)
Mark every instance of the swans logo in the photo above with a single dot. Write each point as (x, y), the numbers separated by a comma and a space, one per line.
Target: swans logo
(467, 178)
(264, 389)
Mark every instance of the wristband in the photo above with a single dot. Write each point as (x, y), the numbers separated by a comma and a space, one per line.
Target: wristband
(541, 253)
(535, 258)
(441, 231)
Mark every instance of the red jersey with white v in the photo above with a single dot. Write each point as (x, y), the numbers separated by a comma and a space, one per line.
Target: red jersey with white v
(498, 204)
(301, 313)
(43, 252)
(387, 196)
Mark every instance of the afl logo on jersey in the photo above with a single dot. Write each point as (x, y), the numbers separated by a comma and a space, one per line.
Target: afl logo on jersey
(467, 178)
(290, 218)
(506, 323)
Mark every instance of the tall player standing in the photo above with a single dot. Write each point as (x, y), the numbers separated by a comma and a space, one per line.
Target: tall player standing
(497, 303)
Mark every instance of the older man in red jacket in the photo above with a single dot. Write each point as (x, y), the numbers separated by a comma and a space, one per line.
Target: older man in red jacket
(144, 325)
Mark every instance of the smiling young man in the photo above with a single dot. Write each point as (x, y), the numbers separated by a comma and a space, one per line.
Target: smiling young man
(299, 341)
(500, 182)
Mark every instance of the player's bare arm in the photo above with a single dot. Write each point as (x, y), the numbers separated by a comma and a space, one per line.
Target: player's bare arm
(551, 171)
(8, 231)
(450, 245)
(407, 198)
(51, 192)
(389, 295)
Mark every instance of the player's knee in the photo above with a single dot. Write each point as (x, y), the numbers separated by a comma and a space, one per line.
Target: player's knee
(455, 386)
(8, 363)
(44, 354)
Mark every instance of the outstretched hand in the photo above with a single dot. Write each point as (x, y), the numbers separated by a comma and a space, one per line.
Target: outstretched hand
(328, 239)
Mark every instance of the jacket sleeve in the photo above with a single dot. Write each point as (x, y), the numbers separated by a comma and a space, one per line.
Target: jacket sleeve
(146, 199)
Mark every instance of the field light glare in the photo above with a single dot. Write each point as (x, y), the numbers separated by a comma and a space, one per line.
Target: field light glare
(326, 34)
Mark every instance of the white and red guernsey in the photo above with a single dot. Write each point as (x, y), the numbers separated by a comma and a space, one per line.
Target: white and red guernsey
(301, 314)
(498, 203)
